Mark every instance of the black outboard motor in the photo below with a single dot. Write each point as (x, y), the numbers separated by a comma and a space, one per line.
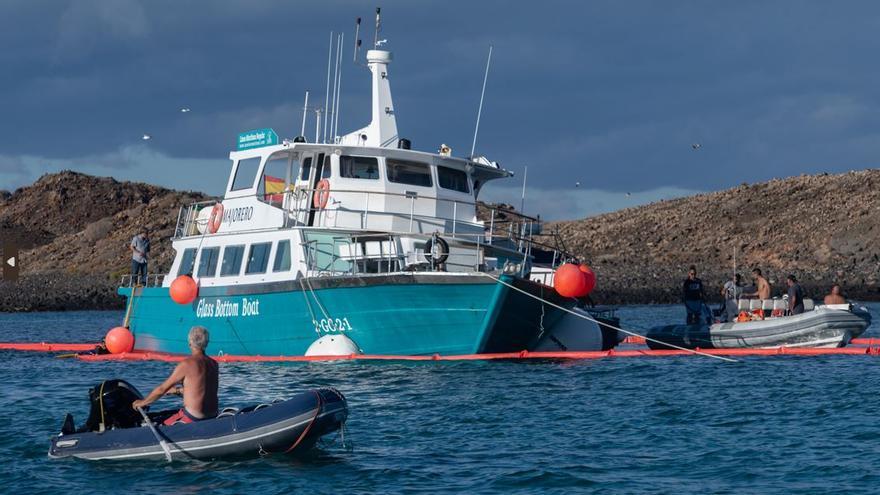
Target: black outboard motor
(111, 406)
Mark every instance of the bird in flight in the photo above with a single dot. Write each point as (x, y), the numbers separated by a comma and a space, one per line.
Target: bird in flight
(147, 137)
(696, 146)
(185, 110)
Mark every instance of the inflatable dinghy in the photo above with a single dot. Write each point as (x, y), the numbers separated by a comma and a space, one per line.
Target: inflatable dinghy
(820, 326)
(116, 431)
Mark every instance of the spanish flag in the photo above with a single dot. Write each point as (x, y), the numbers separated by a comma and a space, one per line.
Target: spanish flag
(274, 188)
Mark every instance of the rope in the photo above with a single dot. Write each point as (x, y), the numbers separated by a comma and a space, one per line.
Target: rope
(305, 432)
(722, 358)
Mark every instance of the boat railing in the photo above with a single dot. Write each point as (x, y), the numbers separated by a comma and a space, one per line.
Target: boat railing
(452, 218)
(151, 280)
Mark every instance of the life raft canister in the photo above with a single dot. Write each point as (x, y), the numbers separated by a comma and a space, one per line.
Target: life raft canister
(322, 194)
(216, 218)
(443, 248)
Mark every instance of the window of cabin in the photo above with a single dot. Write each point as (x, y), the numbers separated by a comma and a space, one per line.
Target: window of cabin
(208, 262)
(258, 258)
(455, 180)
(326, 169)
(406, 172)
(187, 262)
(245, 173)
(359, 167)
(282, 257)
(306, 168)
(270, 189)
(232, 256)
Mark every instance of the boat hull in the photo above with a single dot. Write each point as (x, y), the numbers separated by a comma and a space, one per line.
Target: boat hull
(821, 327)
(396, 314)
(292, 426)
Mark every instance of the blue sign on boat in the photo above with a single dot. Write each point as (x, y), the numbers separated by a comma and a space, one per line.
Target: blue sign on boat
(257, 138)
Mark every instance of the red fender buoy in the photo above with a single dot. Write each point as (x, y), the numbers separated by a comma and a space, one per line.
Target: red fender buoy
(569, 281)
(119, 340)
(183, 290)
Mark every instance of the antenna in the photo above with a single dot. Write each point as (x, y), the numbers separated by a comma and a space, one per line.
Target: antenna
(522, 203)
(480, 110)
(339, 87)
(378, 28)
(357, 40)
(302, 131)
(333, 97)
(327, 95)
(318, 113)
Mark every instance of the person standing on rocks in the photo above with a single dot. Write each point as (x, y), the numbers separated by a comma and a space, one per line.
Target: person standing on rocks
(140, 248)
(762, 284)
(692, 294)
(795, 296)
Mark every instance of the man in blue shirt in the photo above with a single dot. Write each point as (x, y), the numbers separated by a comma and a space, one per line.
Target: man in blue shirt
(692, 294)
(140, 248)
(795, 296)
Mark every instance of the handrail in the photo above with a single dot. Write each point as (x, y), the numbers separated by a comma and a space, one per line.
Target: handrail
(511, 229)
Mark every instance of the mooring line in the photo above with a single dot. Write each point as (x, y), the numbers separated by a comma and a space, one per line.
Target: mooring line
(722, 358)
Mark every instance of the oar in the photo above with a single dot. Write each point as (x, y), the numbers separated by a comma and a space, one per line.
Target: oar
(161, 440)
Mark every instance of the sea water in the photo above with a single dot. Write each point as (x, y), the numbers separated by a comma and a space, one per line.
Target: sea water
(780, 424)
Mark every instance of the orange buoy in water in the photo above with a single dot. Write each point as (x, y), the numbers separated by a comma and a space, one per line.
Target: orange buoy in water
(589, 278)
(119, 340)
(569, 281)
(184, 289)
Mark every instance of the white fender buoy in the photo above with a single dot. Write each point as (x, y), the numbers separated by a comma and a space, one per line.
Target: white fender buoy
(333, 345)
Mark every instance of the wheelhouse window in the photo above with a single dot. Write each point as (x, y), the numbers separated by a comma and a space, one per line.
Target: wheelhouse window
(455, 180)
(245, 173)
(208, 262)
(187, 262)
(407, 172)
(306, 168)
(258, 258)
(282, 257)
(359, 167)
(276, 176)
(232, 256)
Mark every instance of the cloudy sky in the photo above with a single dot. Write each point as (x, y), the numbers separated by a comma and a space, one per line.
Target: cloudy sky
(608, 94)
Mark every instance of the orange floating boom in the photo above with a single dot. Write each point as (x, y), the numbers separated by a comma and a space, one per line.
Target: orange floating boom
(789, 351)
(45, 347)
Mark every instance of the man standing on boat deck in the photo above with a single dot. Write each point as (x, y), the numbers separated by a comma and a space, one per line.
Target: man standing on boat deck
(200, 379)
(692, 294)
(835, 297)
(795, 296)
(140, 248)
(762, 285)
(731, 291)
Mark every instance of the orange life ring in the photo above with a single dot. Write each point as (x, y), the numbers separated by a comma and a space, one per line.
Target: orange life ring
(322, 194)
(216, 218)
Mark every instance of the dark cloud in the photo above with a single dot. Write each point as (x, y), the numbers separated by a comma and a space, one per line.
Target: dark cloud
(611, 94)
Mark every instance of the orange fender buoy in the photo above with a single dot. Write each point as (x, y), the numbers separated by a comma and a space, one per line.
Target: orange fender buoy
(119, 340)
(216, 218)
(184, 289)
(322, 194)
(569, 281)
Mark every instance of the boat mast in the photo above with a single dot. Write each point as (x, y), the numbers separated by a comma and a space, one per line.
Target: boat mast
(482, 95)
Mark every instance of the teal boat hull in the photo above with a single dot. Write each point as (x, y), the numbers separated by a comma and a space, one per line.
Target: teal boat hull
(398, 314)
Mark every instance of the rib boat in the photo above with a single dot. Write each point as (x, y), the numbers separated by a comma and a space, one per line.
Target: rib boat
(114, 431)
(832, 325)
(351, 243)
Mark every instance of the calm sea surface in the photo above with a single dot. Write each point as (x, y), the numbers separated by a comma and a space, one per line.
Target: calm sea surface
(638, 425)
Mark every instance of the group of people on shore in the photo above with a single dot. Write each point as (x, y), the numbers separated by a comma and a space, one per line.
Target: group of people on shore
(694, 297)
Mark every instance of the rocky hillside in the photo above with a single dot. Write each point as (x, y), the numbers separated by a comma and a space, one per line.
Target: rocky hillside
(822, 228)
(825, 229)
(75, 230)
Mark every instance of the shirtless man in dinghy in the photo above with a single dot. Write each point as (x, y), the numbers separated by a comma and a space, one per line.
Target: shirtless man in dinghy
(199, 376)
